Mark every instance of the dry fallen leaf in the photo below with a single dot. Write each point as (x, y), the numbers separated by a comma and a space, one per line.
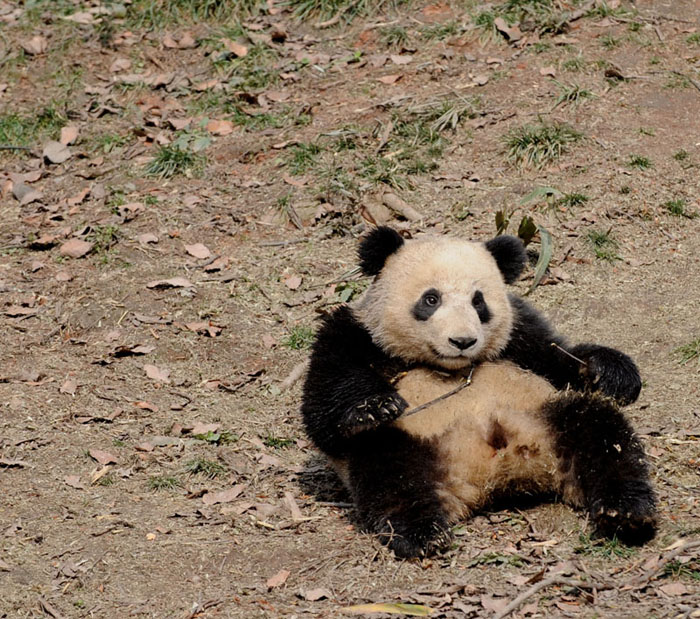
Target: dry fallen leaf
(313, 595)
(75, 248)
(35, 46)
(55, 152)
(292, 281)
(147, 237)
(220, 127)
(401, 59)
(69, 386)
(103, 457)
(278, 579)
(548, 71)
(237, 49)
(69, 134)
(74, 482)
(674, 588)
(155, 373)
(225, 496)
(415, 610)
(198, 251)
(390, 79)
(173, 282)
(120, 64)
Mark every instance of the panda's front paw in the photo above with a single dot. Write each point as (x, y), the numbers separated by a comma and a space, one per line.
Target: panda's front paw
(374, 411)
(628, 513)
(610, 372)
(410, 538)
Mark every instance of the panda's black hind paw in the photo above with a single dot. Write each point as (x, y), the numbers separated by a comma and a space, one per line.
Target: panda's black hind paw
(609, 372)
(631, 517)
(374, 411)
(417, 539)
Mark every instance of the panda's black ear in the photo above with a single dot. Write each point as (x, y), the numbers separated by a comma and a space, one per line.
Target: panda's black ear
(509, 253)
(376, 247)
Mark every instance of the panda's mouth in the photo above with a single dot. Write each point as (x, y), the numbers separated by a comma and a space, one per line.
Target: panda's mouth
(458, 357)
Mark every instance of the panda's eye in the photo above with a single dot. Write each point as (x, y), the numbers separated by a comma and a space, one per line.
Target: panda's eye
(478, 299)
(431, 300)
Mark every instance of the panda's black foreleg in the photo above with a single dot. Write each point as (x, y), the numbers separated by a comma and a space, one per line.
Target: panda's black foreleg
(534, 345)
(394, 478)
(604, 465)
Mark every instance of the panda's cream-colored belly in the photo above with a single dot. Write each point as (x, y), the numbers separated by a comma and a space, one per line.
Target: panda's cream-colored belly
(490, 435)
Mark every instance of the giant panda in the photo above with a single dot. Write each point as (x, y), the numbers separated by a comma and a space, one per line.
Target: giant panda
(529, 414)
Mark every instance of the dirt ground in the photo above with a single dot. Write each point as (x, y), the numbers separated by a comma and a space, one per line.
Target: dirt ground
(181, 195)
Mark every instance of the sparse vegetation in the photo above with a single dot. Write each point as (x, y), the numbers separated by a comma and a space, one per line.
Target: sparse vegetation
(541, 144)
(299, 338)
(174, 159)
(24, 130)
(688, 352)
(640, 162)
(162, 13)
(207, 468)
(604, 246)
(681, 155)
(571, 94)
(277, 442)
(394, 36)
(677, 207)
(164, 482)
(603, 547)
(303, 157)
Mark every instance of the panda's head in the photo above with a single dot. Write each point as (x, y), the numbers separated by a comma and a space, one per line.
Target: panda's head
(439, 300)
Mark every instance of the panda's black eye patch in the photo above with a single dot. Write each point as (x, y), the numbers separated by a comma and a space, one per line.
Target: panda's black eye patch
(425, 307)
(479, 303)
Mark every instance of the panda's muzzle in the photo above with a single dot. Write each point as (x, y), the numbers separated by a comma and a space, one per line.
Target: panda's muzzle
(462, 343)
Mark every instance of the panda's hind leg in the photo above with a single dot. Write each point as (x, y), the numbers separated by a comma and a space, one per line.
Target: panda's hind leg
(395, 478)
(603, 465)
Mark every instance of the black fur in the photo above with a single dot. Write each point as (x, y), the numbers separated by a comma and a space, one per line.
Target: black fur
(396, 495)
(606, 370)
(424, 308)
(482, 309)
(605, 462)
(344, 394)
(376, 247)
(509, 253)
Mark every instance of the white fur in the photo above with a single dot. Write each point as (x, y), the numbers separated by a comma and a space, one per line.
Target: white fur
(456, 268)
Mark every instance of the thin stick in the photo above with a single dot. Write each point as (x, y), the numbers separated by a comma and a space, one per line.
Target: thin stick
(650, 574)
(552, 580)
(566, 352)
(444, 396)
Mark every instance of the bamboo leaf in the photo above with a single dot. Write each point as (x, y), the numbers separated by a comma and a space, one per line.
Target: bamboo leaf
(546, 246)
(415, 610)
(527, 229)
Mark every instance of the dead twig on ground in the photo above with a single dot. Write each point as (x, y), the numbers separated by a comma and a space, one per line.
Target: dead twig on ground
(548, 582)
(653, 572)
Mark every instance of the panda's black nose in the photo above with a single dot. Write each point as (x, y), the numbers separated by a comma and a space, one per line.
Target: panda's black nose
(462, 343)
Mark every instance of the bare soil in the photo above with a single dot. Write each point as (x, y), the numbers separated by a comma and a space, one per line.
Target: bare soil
(103, 512)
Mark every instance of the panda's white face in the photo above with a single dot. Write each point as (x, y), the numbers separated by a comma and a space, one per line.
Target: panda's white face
(440, 301)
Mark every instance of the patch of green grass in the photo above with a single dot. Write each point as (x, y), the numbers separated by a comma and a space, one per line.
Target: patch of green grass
(603, 9)
(604, 246)
(576, 63)
(693, 39)
(164, 482)
(608, 548)
(608, 41)
(300, 338)
(303, 157)
(346, 10)
(677, 570)
(573, 199)
(202, 466)
(106, 480)
(539, 145)
(677, 81)
(681, 155)
(540, 47)
(161, 13)
(571, 94)
(383, 171)
(688, 352)
(277, 442)
(108, 142)
(172, 160)
(223, 437)
(104, 238)
(19, 130)
(542, 15)
(440, 31)
(634, 26)
(393, 36)
(639, 162)
(349, 290)
(647, 131)
(254, 71)
(678, 208)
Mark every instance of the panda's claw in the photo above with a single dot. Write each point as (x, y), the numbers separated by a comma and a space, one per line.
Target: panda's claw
(609, 372)
(373, 412)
